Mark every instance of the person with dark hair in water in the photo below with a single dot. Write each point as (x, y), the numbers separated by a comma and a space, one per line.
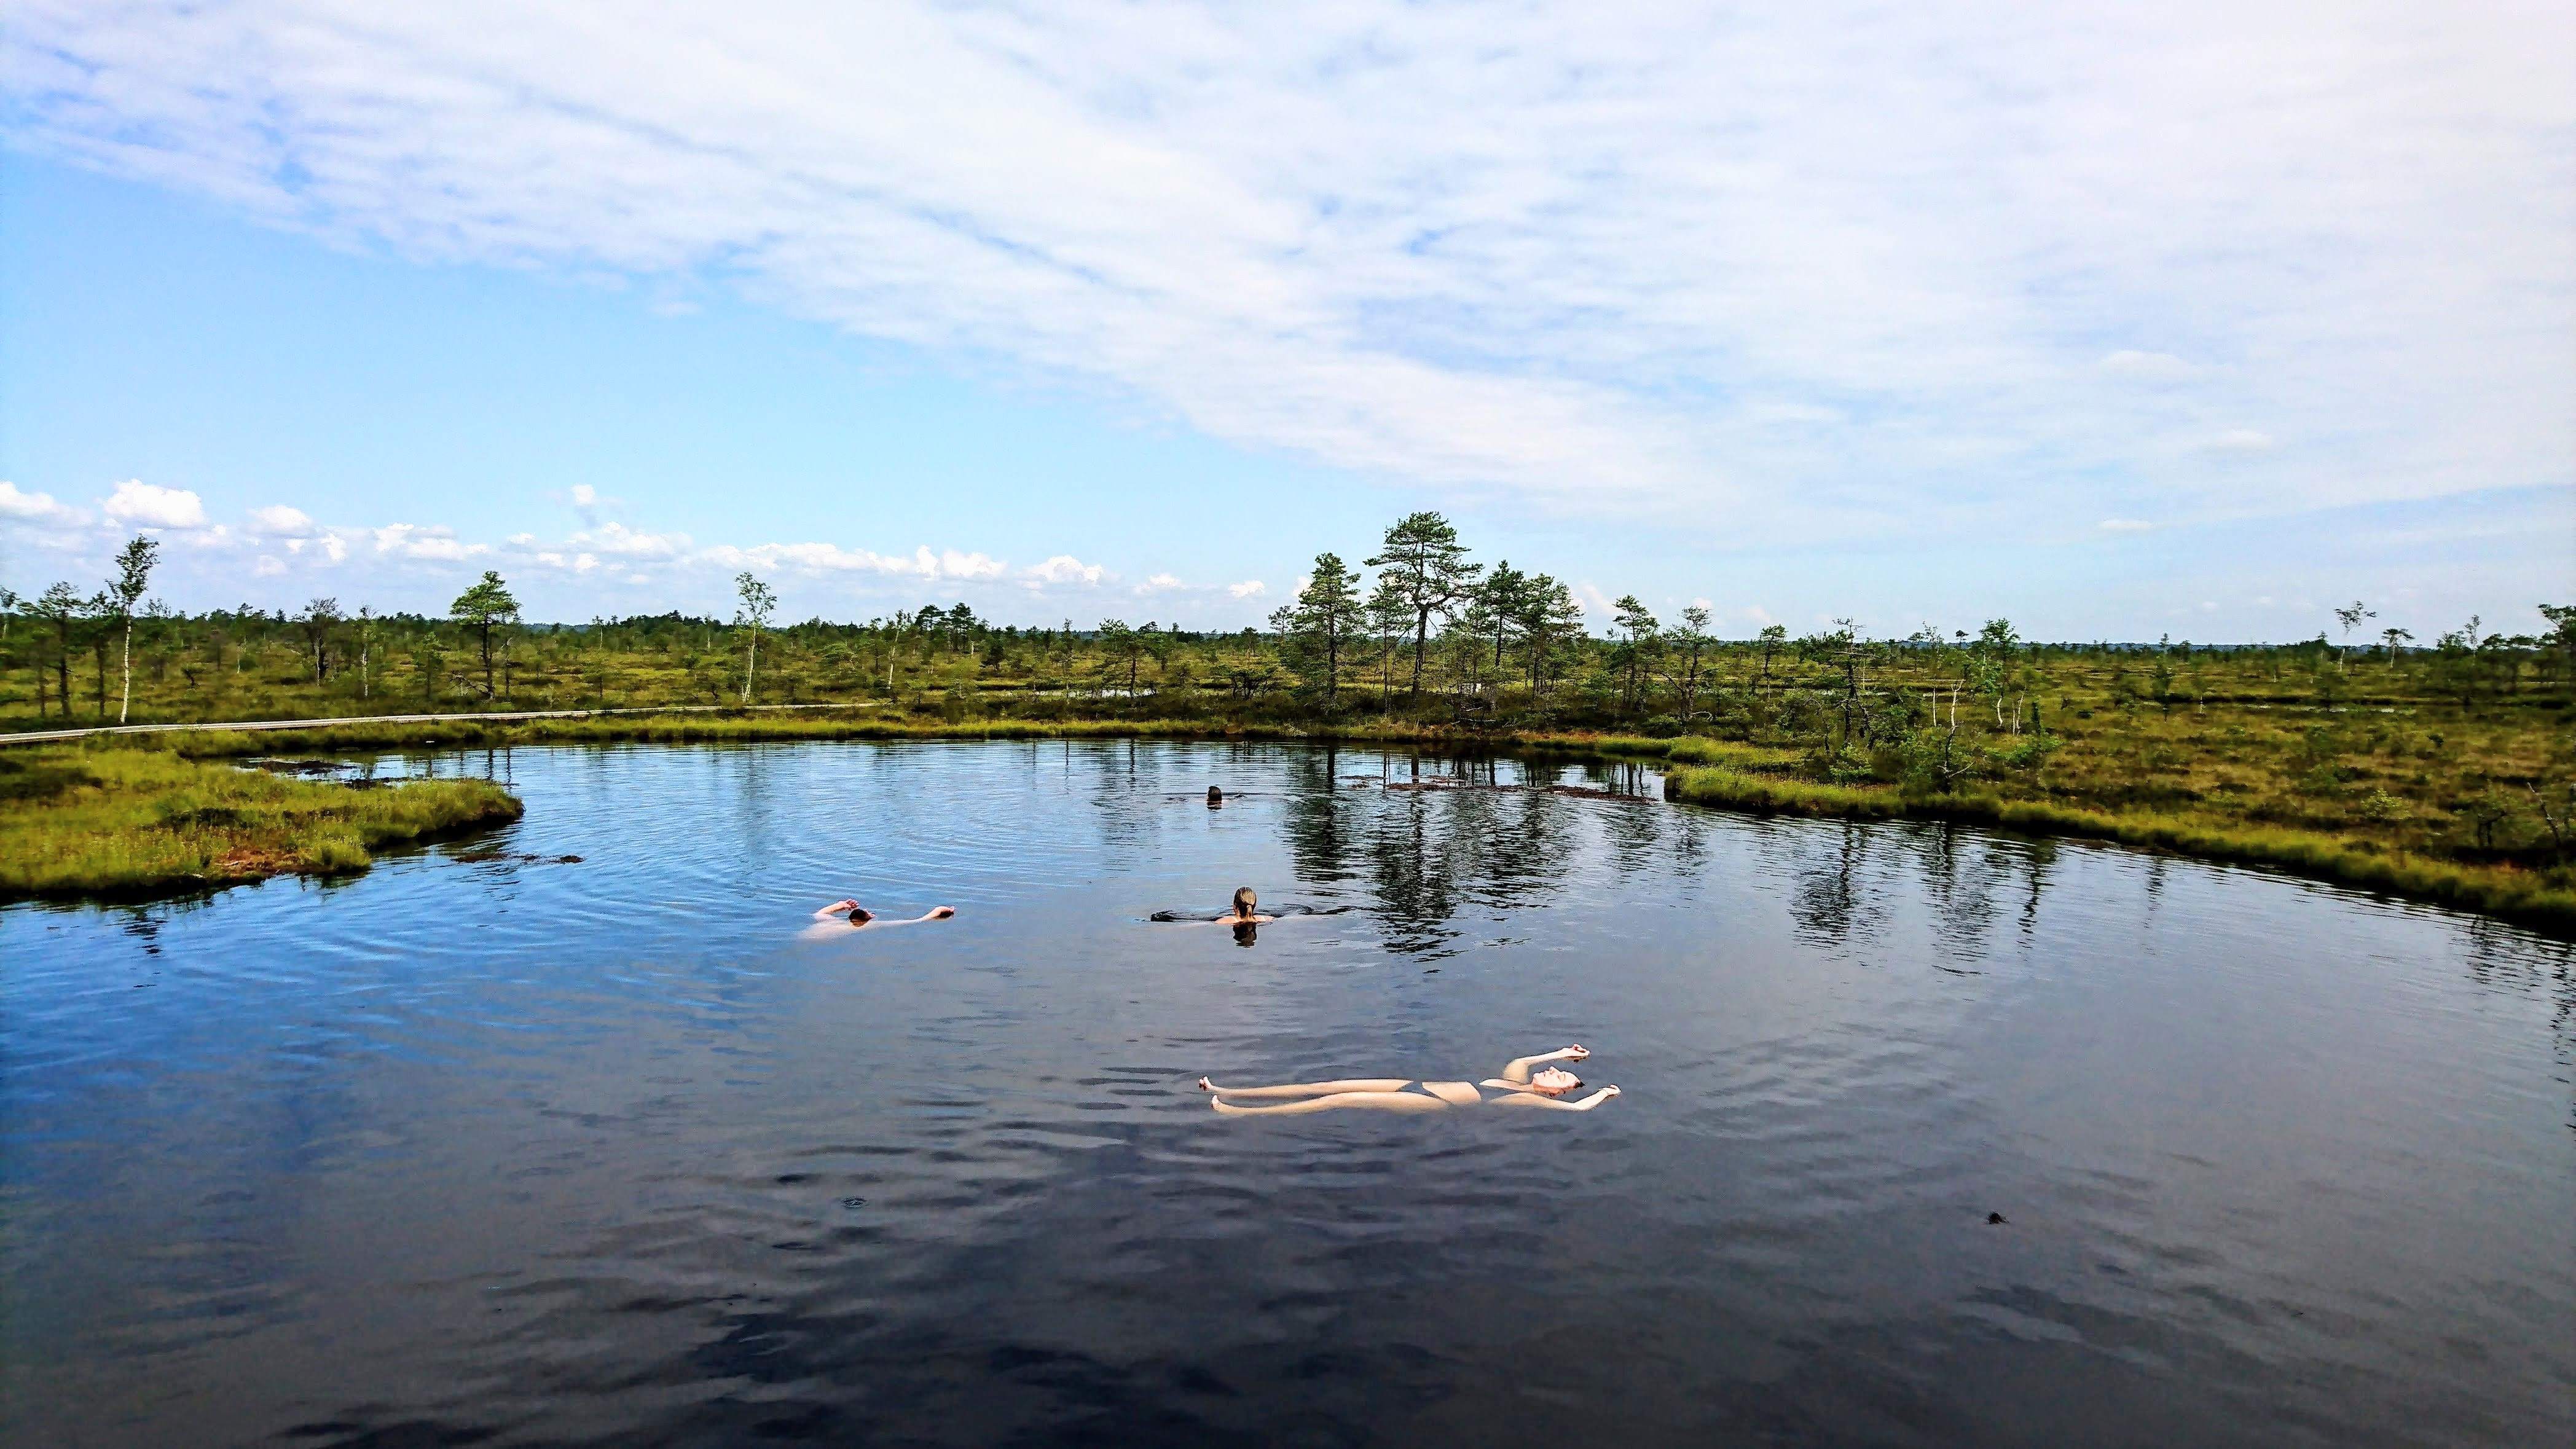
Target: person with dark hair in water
(1516, 1087)
(860, 916)
(1216, 798)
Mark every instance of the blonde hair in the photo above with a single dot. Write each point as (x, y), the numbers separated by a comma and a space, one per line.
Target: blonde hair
(1244, 900)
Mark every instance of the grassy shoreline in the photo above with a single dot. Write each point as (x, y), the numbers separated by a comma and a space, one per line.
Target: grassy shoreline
(1701, 771)
(123, 824)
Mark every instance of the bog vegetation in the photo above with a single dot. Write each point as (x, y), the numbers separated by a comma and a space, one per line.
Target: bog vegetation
(2444, 766)
(130, 822)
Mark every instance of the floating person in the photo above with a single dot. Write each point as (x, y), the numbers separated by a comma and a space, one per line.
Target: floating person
(1516, 1086)
(860, 916)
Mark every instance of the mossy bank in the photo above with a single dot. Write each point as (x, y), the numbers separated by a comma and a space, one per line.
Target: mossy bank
(130, 823)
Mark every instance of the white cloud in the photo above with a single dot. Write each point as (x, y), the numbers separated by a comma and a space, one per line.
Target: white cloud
(1064, 568)
(1248, 589)
(280, 521)
(921, 563)
(1160, 584)
(2241, 440)
(1814, 270)
(2125, 525)
(584, 496)
(137, 504)
(434, 544)
(36, 507)
(267, 567)
(618, 539)
(2152, 366)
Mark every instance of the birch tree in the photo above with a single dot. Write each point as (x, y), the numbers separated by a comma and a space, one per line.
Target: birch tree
(133, 575)
(757, 605)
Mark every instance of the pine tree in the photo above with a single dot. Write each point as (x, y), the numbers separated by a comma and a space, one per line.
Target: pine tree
(1319, 626)
(1430, 569)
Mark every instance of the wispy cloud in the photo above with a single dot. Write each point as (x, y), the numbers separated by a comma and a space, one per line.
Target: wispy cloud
(1807, 270)
(2153, 366)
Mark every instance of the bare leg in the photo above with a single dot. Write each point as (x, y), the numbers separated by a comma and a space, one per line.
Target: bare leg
(1374, 1101)
(1517, 1070)
(1312, 1089)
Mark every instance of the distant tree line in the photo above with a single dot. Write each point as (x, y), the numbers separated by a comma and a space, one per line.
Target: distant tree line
(1431, 635)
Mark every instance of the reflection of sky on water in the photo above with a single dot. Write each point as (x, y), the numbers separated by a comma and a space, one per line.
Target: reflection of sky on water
(478, 1144)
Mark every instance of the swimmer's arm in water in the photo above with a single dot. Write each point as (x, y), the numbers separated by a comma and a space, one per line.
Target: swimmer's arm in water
(836, 908)
(1517, 1072)
(935, 913)
(1540, 1099)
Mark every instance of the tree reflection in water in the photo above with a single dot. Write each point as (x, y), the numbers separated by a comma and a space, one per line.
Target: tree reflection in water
(1429, 839)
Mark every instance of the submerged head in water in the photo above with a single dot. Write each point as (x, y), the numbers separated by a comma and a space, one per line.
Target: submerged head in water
(861, 915)
(1244, 901)
(1216, 797)
(1554, 1082)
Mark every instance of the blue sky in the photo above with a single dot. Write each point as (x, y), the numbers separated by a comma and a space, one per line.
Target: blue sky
(2194, 323)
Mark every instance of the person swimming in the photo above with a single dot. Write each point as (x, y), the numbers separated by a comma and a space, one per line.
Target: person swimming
(1518, 1088)
(860, 916)
(1216, 798)
(1244, 912)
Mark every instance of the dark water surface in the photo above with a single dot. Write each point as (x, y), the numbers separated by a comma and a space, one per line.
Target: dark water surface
(522, 1152)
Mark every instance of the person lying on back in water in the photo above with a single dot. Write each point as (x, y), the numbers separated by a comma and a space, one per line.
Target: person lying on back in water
(1516, 1088)
(860, 916)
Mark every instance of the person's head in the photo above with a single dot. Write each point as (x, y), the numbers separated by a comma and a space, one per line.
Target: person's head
(861, 915)
(1554, 1082)
(1215, 796)
(1244, 900)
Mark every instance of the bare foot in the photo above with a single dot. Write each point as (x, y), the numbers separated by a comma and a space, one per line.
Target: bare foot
(941, 913)
(1577, 1053)
(1206, 1086)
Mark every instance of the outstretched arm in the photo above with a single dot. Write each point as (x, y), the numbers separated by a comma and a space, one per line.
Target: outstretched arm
(935, 913)
(1535, 1099)
(1517, 1072)
(836, 908)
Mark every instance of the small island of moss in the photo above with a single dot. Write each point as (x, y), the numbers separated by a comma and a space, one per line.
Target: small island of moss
(127, 823)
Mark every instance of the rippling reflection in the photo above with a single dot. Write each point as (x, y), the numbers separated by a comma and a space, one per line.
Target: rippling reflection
(490, 1147)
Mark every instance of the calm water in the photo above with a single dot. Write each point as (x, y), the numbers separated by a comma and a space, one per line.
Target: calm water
(521, 1152)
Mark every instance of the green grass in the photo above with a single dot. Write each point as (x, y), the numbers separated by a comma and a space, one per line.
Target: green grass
(2544, 897)
(128, 822)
